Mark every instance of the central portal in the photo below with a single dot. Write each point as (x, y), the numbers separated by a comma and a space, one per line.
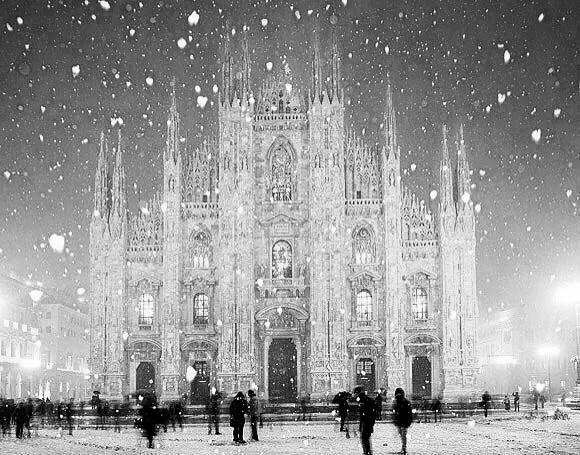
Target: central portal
(282, 366)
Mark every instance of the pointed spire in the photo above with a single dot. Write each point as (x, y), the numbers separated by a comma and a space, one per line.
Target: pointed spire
(246, 67)
(446, 179)
(336, 82)
(172, 144)
(119, 190)
(226, 63)
(463, 179)
(101, 183)
(316, 73)
(390, 124)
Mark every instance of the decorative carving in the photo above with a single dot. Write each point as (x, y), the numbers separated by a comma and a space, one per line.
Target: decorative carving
(200, 173)
(362, 170)
(146, 233)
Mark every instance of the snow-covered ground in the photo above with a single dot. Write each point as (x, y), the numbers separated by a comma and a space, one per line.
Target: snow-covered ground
(452, 437)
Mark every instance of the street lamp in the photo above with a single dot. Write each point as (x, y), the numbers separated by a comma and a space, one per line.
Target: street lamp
(548, 351)
(569, 294)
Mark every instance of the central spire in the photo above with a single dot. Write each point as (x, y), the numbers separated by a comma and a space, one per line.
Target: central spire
(390, 124)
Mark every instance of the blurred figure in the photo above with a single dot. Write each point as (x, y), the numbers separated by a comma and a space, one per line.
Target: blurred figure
(69, 411)
(485, 402)
(238, 409)
(20, 415)
(516, 395)
(437, 408)
(367, 416)
(506, 402)
(214, 411)
(255, 412)
(402, 416)
(149, 418)
(379, 405)
(304, 406)
(29, 406)
(341, 399)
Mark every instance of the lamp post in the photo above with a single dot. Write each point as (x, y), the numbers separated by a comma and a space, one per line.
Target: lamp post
(570, 295)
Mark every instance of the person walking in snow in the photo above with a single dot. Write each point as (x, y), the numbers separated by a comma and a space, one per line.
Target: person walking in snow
(379, 405)
(485, 402)
(402, 416)
(214, 411)
(367, 416)
(69, 412)
(255, 413)
(516, 395)
(238, 410)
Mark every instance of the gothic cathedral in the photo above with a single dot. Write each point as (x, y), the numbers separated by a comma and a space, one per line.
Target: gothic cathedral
(285, 255)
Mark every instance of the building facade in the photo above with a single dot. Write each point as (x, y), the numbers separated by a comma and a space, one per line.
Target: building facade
(283, 254)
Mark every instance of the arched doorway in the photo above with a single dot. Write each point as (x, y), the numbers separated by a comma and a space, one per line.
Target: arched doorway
(282, 370)
(200, 384)
(145, 379)
(421, 376)
(365, 374)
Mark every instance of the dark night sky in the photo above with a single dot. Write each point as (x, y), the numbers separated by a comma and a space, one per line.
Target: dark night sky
(447, 63)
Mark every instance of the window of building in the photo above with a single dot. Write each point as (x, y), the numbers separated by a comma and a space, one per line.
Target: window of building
(201, 309)
(69, 362)
(363, 246)
(281, 166)
(201, 250)
(2, 347)
(364, 306)
(281, 260)
(420, 303)
(146, 309)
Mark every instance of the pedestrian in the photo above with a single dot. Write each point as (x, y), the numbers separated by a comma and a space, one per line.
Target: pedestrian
(536, 398)
(69, 411)
(341, 399)
(255, 412)
(149, 418)
(563, 397)
(506, 402)
(367, 416)
(304, 406)
(486, 402)
(437, 408)
(542, 400)
(42, 411)
(238, 409)
(117, 417)
(516, 395)
(19, 416)
(29, 406)
(402, 416)
(379, 405)
(49, 412)
(214, 411)
(179, 411)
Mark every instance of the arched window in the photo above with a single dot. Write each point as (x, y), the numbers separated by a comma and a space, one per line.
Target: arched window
(363, 251)
(146, 309)
(364, 306)
(281, 260)
(201, 250)
(281, 167)
(200, 309)
(419, 306)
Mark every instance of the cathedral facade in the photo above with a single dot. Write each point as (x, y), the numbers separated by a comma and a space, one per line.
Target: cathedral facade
(283, 255)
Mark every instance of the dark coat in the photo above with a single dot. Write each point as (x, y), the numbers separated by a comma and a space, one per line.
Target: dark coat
(238, 409)
(402, 412)
(367, 414)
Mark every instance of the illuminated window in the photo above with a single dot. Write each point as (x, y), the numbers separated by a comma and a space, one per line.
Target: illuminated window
(420, 304)
(364, 306)
(146, 309)
(200, 309)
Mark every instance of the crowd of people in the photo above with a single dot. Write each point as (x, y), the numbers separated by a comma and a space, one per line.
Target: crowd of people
(42, 412)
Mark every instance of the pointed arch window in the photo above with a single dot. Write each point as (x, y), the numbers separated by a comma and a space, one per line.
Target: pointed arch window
(146, 309)
(281, 168)
(364, 307)
(363, 251)
(201, 250)
(281, 260)
(419, 307)
(200, 309)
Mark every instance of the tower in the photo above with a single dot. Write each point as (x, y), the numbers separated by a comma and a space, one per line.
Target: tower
(329, 368)
(391, 179)
(236, 349)
(170, 310)
(108, 285)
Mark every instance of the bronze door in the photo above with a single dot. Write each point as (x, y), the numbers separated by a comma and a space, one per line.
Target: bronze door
(282, 370)
(421, 377)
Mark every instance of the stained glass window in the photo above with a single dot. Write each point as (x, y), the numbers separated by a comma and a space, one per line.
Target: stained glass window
(281, 260)
(364, 306)
(363, 247)
(281, 175)
(200, 309)
(201, 250)
(420, 304)
(146, 309)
